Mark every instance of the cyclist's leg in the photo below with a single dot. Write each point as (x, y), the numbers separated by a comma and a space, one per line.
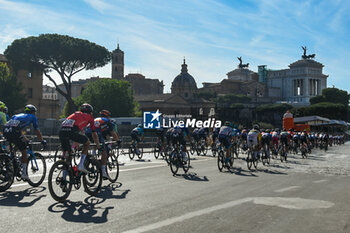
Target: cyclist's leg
(82, 139)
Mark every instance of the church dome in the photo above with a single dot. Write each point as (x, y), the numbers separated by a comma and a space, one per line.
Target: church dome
(184, 79)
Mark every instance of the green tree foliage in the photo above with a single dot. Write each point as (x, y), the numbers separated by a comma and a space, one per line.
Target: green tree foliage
(10, 90)
(332, 95)
(333, 103)
(52, 52)
(325, 109)
(232, 98)
(206, 95)
(279, 108)
(113, 95)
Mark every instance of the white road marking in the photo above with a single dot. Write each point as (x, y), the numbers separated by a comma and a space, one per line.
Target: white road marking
(181, 218)
(287, 189)
(121, 170)
(319, 181)
(293, 202)
(283, 202)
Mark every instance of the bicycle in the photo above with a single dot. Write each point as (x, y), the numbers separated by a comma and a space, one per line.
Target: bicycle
(265, 158)
(252, 158)
(201, 147)
(133, 150)
(63, 175)
(192, 147)
(222, 160)
(10, 167)
(283, 152)
(234, 148)
(214, 149)
(158, 150)
(303, 150)
(112, 162)
(177, 159)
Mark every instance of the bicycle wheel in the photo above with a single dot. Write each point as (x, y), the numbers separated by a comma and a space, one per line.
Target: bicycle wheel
(131, 153)
(221, 160)
(58, 154)
(255, 162)
(7, 172)
(60, 181)
(93, 180)
(76, 158)
(268, 155)
(281, 155)
(205, 150)
(249, 160)
(140, 154)
(186, 164)
(112, 168)
(213, 151)
(174, 162)
(156, 152)
(192, 148)
(36, 169)
(235, 150)
(264, 157)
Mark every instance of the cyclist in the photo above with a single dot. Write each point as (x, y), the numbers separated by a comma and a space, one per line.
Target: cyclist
(71, 128)
(284, 137)
(135, 133)
(303, 140)
(215, 135)
(195, 135)
(3, 115)
(178, 135)
(104, 128)
(225, 136)
(160, 135)
(13, 133)
(203, 134)
(254, 139)
(266, 141)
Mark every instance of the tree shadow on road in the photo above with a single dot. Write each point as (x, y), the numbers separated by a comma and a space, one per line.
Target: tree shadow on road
(10, 198)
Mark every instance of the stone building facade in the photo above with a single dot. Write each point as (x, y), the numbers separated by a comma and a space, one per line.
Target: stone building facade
(182, 100)
(240, 81)
(32, 81)
(304, 79)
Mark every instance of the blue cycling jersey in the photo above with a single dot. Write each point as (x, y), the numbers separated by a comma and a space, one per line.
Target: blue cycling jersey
(23, 120)
(138, 130)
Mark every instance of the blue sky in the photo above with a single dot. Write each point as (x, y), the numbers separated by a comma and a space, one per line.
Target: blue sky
(156, 35)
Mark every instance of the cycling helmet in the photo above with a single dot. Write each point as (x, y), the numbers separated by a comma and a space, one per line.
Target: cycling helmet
(227, 123)
(140, 126)
(256, 127)
(86, 108)
(2, 106)
(105, 113)
(29, 108)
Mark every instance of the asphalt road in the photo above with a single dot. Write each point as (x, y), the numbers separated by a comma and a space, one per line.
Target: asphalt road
(302, 195)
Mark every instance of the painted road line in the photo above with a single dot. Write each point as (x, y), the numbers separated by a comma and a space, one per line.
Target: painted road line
(287, 189)
(124, 170)
(283, 202)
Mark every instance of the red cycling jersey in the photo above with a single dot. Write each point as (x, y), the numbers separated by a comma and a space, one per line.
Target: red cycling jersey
(81, 120)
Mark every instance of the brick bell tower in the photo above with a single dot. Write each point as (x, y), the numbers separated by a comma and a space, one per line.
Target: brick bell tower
(117, 63)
